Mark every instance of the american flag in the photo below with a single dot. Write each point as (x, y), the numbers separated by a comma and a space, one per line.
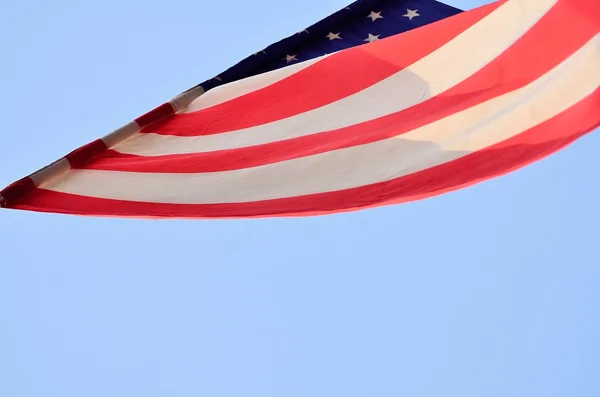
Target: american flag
(383, 102)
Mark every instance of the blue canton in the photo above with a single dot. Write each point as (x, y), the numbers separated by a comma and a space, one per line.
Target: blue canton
(361, 22)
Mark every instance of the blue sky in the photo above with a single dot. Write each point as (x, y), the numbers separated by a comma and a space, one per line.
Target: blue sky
(489, 291)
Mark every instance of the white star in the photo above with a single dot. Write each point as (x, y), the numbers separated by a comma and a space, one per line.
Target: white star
(372, 38)
(333, 36)
(291, 58)
(374, 15)
(410, 14)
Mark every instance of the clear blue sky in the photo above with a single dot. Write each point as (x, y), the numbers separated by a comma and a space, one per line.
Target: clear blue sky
(490, 291)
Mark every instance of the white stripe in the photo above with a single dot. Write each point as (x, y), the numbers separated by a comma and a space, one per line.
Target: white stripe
(59, 167)
(442, 69)
(239, 88)
(182, 102)
(445, 140)
(120, 133)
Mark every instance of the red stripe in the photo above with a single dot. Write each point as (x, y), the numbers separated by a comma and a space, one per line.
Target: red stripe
(496, 160)
(14, 191)
(79, 157)
(339, 76)
(546, 45)
(166, 109)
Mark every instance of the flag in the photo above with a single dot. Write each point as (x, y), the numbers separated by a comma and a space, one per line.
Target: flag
(368, 107)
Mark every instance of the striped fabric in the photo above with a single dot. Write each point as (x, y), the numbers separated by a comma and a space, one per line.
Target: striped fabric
(438, 108)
